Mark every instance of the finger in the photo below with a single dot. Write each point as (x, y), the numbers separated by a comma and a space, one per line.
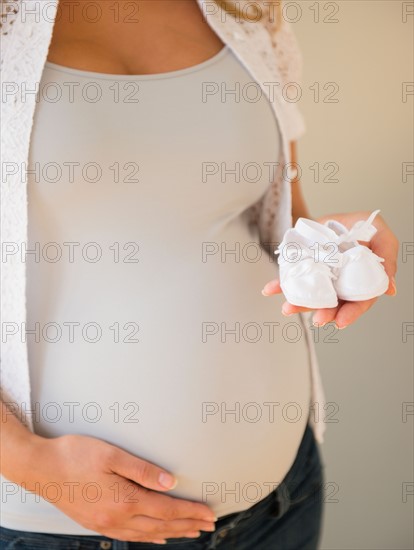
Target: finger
(141, 471)
(159, 528)
(290, 309)
(272, 287)
(164, 507)
(131, 536)
(385, 245)
(350, 311)
(324, 316)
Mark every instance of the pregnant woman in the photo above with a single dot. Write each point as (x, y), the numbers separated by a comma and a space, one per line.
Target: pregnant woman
(170, 401)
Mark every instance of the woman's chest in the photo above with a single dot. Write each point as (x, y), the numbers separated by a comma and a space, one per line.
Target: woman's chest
(138, 37)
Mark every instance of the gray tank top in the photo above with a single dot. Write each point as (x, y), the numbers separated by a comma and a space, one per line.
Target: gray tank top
(149, 328)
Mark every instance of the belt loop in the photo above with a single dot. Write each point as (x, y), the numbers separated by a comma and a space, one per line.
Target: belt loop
(282, 500)
(221, 532)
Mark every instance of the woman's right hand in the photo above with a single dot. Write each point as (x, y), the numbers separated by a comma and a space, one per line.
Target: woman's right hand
(113, 492)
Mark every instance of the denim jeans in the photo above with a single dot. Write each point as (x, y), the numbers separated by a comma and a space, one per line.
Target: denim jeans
(289, 518)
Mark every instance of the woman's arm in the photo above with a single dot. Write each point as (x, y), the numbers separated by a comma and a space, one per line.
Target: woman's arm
(126, 508)
(299, 208)
(22, 450)
(384, 244)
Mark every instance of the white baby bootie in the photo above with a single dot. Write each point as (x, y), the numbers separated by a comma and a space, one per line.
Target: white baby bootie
(306, 257)
(361, 275)
(319, 263)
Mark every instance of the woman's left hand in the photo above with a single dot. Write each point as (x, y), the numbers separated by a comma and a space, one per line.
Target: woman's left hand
(384, 244)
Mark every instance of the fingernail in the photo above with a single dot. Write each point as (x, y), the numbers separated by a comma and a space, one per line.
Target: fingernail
(210, 518)
(340, 327)
(287, 314)
(320, 324)
(267, 289)
(193, 534)
(394, 286)
(167, 480)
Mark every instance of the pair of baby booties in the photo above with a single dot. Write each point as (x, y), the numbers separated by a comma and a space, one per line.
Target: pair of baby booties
(319, 263)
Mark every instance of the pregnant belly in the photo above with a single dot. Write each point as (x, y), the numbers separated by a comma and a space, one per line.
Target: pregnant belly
(179, 361)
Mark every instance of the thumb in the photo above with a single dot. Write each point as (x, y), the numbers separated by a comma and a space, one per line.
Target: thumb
(141, 471)
(272, 287)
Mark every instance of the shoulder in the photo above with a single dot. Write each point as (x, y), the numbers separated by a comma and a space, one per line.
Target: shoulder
(9, 14)
(9, 10)
(284, 47)
(25, 28)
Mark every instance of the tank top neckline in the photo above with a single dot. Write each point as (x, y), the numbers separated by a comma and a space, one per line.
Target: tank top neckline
(153, 76)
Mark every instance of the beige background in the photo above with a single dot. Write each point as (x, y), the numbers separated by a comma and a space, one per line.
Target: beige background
(368, 453)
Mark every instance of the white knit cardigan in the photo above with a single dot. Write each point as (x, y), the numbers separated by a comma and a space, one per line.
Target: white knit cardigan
(273, 60)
